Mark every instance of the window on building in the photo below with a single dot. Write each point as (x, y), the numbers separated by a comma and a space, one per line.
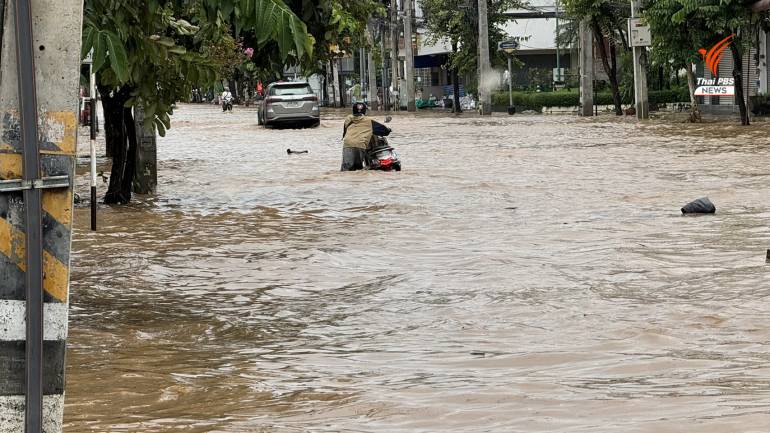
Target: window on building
(435, 78)
(422, 76)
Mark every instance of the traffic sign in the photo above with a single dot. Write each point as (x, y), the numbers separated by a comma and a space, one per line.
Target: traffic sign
(508, 46)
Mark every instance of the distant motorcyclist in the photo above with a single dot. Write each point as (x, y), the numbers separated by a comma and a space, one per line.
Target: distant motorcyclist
(227, 100)
(358, 133)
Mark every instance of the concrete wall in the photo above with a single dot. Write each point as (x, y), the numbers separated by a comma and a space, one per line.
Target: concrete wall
(57, 31)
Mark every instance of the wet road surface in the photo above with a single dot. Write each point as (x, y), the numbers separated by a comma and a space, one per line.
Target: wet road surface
(523, 274)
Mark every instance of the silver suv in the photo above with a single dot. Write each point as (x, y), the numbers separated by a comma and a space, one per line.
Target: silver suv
(289, 103)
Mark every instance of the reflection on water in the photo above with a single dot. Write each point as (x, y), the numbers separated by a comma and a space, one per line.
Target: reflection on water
(523, 274)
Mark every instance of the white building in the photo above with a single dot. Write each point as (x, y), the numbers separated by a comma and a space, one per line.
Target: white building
(536, 33)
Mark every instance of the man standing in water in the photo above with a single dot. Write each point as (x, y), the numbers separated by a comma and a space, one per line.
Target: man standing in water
(359, 131)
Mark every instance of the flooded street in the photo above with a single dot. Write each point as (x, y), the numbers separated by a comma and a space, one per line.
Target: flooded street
(522, 274)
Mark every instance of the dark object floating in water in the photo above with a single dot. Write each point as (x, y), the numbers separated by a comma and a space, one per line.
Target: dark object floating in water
(699, 206)
(478, 353)
(289, 151)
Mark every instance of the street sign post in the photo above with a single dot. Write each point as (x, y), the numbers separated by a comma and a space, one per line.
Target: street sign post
(509, 47)
(640, 33)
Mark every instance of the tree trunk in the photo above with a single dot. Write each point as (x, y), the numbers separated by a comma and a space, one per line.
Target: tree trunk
(232, 83)
(661, 83)
(695, 111)
(339, 86)
(121, 138)
(113, 120)
(738, 75)
(611, 70)
(456, 108)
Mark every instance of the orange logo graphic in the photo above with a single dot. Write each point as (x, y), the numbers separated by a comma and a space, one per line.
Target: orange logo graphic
(714, 55)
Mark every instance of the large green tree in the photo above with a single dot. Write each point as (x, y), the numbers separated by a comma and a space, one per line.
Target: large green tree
(676, 43)
(721, 18)
(456, 21)
(607, 19)
(150, 54)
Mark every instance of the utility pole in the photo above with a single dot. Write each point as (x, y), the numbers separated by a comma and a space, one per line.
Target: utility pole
(408, 52)
(371, 67)
(385, 81)
(558, 48)
(362, 75)
(331, 93)
(93, 125)
(146, 166)
(39, 56)
(395, 77)
(641, 98)
(337, 88)
(586, 69)
(372, 80)
(485, 95)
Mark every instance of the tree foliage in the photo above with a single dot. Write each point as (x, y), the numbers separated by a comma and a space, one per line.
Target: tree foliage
(708, 21)
(456, 21)
(158, 49)
(607, 20)
(150, 54)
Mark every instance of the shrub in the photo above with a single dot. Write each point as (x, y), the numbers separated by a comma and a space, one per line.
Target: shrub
(571, 98)
(760, 105)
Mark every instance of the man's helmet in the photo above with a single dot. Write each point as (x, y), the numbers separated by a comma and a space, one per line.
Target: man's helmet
(359, 109)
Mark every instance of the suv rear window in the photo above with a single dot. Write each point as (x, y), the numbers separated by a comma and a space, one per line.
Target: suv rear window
(290, 90)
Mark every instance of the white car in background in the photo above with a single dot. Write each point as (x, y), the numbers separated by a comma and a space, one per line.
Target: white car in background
(289, 103)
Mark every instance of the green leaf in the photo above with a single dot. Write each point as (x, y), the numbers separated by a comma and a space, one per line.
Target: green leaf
(227, 7)
(161, 128)
(166, 41)
(88, 41)
(267, 20)
(165, 120)
(100, 51)
(299, 31)
(118, 58)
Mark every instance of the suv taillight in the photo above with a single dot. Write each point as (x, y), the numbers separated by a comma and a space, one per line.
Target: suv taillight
(313, 98)
(272, 99)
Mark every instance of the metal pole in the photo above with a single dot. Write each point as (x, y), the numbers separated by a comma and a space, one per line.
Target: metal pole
(94, 122)
(362, 73)
(510, 82)
(34, 218)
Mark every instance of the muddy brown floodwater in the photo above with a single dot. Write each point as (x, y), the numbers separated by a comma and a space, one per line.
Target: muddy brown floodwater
(522, 274)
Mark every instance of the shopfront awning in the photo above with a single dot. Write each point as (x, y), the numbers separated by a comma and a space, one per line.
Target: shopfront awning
(430, 61)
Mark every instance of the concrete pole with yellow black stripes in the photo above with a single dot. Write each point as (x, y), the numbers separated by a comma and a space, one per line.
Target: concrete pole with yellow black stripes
(56, 28)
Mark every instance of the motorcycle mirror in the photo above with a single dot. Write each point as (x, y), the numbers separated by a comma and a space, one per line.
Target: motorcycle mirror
(388, 119)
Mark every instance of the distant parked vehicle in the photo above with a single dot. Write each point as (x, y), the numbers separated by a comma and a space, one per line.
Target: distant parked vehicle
(289, 103)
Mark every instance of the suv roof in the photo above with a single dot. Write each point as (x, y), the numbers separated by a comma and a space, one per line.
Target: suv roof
(290, 83)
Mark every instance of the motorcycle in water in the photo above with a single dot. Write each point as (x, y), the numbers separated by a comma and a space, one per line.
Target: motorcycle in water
(381, 156)
(227, 104)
